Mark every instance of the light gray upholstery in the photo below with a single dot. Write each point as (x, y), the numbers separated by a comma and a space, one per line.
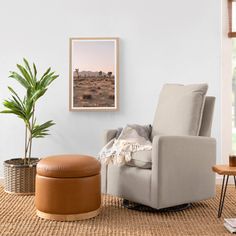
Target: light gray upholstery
(207, 117)
(141, 159)
(132, 183)
(179, 110)
(180, 169)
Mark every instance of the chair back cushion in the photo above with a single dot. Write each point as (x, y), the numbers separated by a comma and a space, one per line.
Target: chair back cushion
(207, 117)
(179, 110)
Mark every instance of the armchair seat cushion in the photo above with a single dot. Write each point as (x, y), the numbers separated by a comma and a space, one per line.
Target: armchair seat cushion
(141, 159)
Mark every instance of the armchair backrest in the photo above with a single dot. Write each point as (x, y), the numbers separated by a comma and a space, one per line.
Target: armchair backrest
(183, 110)
(207, 117)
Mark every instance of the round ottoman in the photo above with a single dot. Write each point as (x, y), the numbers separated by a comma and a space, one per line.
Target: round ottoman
(68, 187)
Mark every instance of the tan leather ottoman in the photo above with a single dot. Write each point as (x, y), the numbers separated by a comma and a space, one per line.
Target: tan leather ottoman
(68, 187)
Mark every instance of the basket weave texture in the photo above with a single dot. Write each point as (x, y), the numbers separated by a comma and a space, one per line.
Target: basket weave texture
(18, 218)
(19, 178)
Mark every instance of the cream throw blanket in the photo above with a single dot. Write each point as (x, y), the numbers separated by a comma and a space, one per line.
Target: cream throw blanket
(133, 138)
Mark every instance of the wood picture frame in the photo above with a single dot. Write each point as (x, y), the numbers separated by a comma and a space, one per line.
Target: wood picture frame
(94, 74)
(231, 16)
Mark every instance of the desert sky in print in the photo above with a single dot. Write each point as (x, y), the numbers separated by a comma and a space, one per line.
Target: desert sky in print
(94, 55)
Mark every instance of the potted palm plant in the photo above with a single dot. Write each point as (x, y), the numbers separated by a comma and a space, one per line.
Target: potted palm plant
(19, 173)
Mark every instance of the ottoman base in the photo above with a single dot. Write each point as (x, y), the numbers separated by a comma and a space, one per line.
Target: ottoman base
(71, 217)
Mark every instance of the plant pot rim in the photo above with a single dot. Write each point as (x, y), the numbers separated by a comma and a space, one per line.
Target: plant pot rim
(13, 162)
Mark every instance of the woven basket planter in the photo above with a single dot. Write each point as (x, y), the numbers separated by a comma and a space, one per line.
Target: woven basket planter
(20, 178)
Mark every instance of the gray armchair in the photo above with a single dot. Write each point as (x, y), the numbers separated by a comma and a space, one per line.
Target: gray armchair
(180, 163)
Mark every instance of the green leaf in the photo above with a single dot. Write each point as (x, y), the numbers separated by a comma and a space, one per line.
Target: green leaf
(29, 106)
(47, 80)
(37, 94)
(47, 71)
(15, 108)
(35, 71)
(28, 67)
(20, 79)
(39, 131)
(16, 95)
(44, 78)
(25, 74)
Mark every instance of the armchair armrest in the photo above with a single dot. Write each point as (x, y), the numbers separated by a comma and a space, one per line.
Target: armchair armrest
(181, 169)
(107, 136)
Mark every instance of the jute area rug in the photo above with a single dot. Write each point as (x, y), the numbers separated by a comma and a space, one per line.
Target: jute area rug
(17, 217)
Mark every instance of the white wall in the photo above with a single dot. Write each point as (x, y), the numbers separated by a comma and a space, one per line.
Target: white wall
(160, 42)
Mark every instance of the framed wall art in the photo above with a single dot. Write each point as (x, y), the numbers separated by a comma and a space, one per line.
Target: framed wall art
(94, 74)
(232, 18)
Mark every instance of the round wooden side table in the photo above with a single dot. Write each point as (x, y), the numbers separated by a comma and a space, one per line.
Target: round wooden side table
(226, 171)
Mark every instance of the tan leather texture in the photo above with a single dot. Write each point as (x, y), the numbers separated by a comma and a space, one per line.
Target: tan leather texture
(68, 195)
(67, 166)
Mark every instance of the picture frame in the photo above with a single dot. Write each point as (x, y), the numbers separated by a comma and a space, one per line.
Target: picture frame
(231, 16)
(94, 74)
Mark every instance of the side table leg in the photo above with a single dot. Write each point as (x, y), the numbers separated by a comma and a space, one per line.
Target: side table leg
(235, 181)
(222, 195)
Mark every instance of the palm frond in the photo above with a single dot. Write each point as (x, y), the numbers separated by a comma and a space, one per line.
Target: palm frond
(16, 95)
(13, 106)
(25, 74)
(44, 78)
(39, 131)
(27, 66)
(49, 79)
(37, 94)
(20, 79)
(35, 71)
(46, 73)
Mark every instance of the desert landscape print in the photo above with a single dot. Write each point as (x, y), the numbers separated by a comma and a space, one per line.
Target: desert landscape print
(93, 74)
